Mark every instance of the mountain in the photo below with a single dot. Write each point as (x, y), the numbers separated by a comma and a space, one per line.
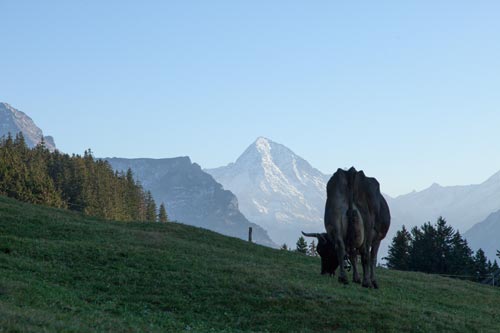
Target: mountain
(191, 196)
(486, 235)
(461, 206)
(276, 189)
(14, 121)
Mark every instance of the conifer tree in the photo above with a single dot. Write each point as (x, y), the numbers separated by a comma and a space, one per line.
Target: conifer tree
(443, 240)
(284, 247)
(422, 249)
(480, 264)
(301, 245)
(311, 250)
(150, 207)
(399, 251)
(432, 249)
(78, 182)
(461, 261)
(494, 267)
(162, 216)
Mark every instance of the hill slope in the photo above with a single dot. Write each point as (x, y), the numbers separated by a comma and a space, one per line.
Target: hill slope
(61, 271)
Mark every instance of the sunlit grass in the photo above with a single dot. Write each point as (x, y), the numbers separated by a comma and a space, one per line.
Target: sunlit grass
(61, 271)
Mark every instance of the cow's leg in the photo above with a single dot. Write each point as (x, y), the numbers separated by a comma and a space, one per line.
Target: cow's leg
(373, 259)
(355, 275)
(365, 260)
(340, 257)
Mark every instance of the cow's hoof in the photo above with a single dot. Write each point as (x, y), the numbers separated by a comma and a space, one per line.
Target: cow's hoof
(375, 284)
(343, 280)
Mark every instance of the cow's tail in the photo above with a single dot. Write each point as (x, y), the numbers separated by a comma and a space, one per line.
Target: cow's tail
(352, 213)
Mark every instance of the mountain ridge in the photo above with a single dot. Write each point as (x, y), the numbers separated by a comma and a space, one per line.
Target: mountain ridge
(191, 196)
(14, 121)
(485, 234)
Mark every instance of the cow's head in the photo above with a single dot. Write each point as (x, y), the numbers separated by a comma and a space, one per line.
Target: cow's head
(326, 251)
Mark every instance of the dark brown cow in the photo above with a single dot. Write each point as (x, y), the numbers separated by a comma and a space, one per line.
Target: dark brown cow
(357, 218)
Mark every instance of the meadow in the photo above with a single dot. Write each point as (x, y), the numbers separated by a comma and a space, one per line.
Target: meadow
(66, 272)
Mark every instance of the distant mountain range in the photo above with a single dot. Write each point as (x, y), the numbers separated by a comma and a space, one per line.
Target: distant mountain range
(462, 206)
(283, 193)
(192, 196)
(276, 189)
(14, 121)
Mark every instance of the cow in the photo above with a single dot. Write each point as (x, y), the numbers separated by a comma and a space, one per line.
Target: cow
(357, 218)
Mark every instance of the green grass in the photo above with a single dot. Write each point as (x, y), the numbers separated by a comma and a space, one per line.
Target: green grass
(61, 271)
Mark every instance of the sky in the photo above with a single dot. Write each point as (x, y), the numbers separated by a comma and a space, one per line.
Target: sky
(408, 92)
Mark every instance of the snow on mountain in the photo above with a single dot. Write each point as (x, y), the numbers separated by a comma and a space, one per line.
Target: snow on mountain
(276, 189)
(14, 121)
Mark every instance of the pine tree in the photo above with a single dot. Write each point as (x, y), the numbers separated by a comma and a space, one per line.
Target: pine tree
(443, 241)
(422, 249)
(77, 182)
(494, 267)
(284, 247)
(311, 251)
(461, 261)
(431, 248)
(162, 216)
(150, 207)
(301, 245)
(480, 264)
(399, 251)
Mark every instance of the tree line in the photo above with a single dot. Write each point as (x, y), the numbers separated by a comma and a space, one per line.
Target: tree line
(80, 183)
(438, 249)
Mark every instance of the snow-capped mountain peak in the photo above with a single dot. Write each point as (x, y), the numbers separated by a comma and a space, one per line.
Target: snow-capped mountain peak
(276, 188)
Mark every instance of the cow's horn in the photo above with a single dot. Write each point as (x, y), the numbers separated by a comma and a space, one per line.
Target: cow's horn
(311, 234)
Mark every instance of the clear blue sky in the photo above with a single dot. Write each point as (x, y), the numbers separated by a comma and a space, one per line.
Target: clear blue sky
(409, 92)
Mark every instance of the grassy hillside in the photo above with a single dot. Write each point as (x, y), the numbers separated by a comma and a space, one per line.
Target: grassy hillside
(61, 271)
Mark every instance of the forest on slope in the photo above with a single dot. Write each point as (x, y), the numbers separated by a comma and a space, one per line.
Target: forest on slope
(82, 183)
